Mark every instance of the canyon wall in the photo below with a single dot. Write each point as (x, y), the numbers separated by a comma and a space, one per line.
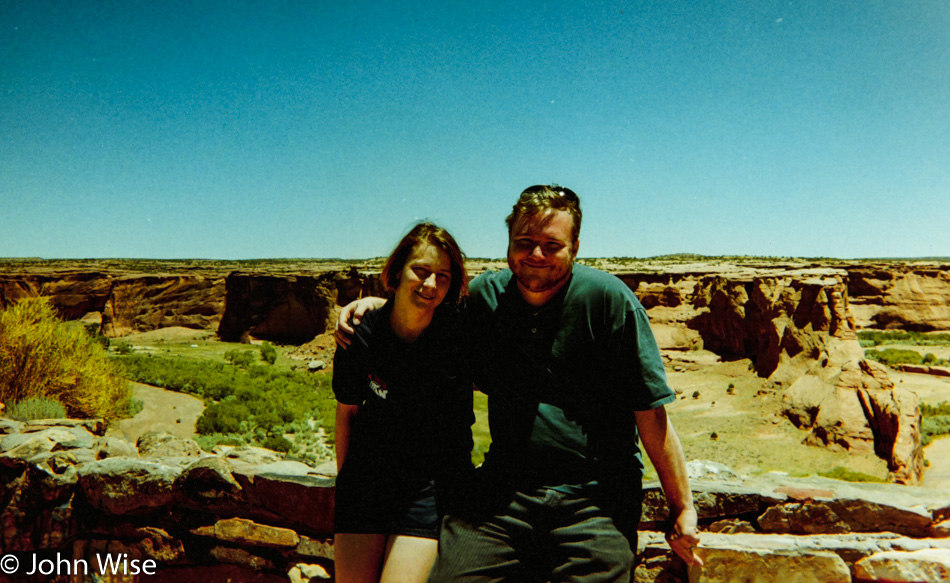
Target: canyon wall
(891, 295)
(900, 296)
(124, 303)
(285, 308)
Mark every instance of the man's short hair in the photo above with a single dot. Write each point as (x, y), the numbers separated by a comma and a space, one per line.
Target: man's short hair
(544, 197)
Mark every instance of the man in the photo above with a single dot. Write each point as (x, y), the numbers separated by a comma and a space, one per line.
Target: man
(573, 376)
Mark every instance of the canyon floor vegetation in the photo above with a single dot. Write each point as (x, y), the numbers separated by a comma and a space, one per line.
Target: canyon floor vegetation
(253, 394)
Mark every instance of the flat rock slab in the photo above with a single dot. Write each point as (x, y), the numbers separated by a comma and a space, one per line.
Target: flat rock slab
(905, 567)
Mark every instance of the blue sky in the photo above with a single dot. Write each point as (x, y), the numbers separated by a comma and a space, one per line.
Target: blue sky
(238, 129)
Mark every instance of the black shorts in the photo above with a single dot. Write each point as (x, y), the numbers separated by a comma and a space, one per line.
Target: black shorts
(379, 506)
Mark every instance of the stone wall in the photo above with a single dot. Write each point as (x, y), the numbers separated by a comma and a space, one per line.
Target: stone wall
(74, 498)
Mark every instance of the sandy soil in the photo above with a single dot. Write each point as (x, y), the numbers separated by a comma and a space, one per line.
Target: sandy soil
(929, 389)
(170, 334)
(164, 410)
(938, 474)
(743, 427)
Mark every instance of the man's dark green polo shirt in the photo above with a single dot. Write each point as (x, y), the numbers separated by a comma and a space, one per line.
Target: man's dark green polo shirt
(565, 379)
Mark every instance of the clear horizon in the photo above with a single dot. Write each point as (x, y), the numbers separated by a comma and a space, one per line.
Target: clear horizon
(243, 131)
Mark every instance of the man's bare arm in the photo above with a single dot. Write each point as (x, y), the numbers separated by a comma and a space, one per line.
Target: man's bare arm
(355, 311)
(663, 446)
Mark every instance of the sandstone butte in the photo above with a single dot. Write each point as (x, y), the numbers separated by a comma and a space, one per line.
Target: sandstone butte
(66, 490)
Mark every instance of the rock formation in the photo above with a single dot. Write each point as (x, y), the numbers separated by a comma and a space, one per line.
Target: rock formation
(245, 514)
(796, 328)
(900, 296)
(288, 309)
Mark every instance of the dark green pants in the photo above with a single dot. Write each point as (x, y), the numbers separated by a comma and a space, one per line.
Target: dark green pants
(543, 535)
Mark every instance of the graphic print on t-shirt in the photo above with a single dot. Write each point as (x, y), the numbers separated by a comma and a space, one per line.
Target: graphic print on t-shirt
(378, 386)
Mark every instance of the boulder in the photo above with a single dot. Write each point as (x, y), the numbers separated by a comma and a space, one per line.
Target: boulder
(126, 485)
(248, 532)
(905, 567)
(292, 491)
(155, 444)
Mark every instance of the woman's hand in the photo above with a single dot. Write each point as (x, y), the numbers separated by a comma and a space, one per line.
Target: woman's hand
(354, 311)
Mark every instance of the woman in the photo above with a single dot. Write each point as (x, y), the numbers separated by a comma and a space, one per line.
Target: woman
(403, 415)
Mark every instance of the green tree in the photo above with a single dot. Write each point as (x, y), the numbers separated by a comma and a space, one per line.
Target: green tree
(41, 356)
(268, 353)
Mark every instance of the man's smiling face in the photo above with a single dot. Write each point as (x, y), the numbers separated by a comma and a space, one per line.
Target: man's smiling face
(541, 253)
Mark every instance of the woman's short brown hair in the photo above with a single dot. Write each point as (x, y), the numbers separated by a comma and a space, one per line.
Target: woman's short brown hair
(543, 197)
(437, 237)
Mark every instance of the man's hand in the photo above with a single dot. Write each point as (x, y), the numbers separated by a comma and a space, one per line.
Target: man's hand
(661, 443)
(353, 311)
(683, 537)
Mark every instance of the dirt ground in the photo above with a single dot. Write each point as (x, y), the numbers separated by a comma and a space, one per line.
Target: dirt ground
(163, 410)
(743, 428)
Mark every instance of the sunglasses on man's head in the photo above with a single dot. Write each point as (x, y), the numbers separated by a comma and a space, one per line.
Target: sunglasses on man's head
(567, 193)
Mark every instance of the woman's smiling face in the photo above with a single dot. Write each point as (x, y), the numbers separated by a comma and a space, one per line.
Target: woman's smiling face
(425, 279)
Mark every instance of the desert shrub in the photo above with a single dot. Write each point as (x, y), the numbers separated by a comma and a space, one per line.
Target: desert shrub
(223, 417)
(41, 356)
(268, 353)
(209, 441)
(934, 427)
(935, 422)
(240, 357)
(123, 348)
(881, 337)
(892, 356)
(929, 358)
(841, 473)
(938, 409)
(277, 443)
(135, 407)
(36, 408)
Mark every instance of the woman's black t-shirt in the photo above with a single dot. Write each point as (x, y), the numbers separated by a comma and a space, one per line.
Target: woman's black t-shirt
(413, 425)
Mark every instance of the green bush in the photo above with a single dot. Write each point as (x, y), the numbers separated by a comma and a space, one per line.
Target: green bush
(36, 408)
(242, 358)
(123, 348)
(41, 356)
(135, 407)
(892, 356)
(278, 443)
(935, 422)
(934, 427)
(268, 353)
(879, 337)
